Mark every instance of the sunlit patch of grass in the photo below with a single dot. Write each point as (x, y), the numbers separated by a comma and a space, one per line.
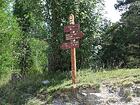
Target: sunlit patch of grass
(5, 79)
(89, 76)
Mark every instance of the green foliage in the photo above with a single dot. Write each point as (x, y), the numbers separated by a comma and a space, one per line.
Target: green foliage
(25, 61)
(102, 46)
(31, 51)
(120, 42)
(57, 13)
(89, 19)
(124, 3)
(38, 55)
(10, 34)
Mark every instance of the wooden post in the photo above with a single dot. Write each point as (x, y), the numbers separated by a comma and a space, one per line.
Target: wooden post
(73, 56)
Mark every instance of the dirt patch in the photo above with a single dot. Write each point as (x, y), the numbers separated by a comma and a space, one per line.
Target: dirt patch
(105, 95)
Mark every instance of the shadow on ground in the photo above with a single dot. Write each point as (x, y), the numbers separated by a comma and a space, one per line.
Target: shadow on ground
(21, 91)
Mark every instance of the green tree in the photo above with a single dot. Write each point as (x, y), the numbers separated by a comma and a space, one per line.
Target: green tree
(124, 3)
(30, 17)
(121, 41)
(23, 17)
(57, 13)
(9, 35)
(131, 22)
(46, 20)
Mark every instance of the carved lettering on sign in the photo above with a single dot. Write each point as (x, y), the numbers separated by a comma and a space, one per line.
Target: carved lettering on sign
(72, 27)
(68, 45)
(72, 36)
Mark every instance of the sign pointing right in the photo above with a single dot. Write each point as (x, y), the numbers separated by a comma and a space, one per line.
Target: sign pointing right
(72, 36)
(72, 27)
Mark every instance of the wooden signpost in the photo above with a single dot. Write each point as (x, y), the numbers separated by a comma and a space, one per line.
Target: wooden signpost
(73, 34)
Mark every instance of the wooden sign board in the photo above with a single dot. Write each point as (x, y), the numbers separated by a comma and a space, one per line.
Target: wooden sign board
(72, 27)
(72, 36)
(68, 45)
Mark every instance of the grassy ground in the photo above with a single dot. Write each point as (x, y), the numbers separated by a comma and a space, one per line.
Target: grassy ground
(31, 91)
(86, 77)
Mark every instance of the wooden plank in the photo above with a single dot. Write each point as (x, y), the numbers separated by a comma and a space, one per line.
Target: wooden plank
(68, 45)
(72, 27)
(72, 36)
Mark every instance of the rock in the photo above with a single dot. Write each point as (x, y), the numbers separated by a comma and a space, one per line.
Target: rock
(124, 92)
(97, 95)
(67, 99)
(90, 98)
(126, 95)
(57, 102)
(68, 103)
(112, 89)
(84, 94)
(121, 92)
(137, 90)
(112, 100)
(81, 96)
(94, 99)
(128, 99)
(122, 99)
(45, 82)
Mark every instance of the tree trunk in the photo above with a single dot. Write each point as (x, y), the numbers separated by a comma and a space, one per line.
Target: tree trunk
(54, 54)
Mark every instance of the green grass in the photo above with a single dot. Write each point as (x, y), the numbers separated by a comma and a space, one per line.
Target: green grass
(26, 92)
(88, 77)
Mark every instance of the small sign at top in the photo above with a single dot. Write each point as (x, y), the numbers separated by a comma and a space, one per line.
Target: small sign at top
(71, 19)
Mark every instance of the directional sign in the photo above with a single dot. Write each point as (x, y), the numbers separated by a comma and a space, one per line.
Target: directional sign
(72, 36)
(68, 45)
(72, 27)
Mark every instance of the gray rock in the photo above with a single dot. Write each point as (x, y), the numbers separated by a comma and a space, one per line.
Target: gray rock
(45, 82)
(121, 92)
(84, 94)
(137, 91)
(94, 99)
